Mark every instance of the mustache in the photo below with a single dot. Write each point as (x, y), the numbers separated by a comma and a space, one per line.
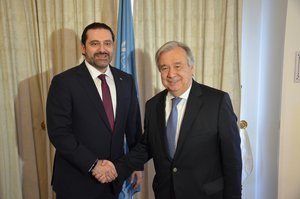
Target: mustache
(101, 53)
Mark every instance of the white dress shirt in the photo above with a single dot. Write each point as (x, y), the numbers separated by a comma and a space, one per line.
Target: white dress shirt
(110, 82)
(180, 107)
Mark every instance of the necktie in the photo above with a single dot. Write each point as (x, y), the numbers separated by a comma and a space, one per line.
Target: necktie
(172, 126)
(106, 98)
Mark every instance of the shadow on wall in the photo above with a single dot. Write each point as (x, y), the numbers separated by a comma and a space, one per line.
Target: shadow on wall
(34, 147)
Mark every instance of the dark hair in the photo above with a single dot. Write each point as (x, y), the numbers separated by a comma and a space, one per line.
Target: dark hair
(95, 25)
(170, 46)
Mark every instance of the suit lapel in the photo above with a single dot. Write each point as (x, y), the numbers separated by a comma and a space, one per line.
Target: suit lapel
(120, 88)
(91, 91)
(193, 107)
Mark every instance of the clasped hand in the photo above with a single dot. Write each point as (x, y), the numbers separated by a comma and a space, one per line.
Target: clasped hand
(105, 171)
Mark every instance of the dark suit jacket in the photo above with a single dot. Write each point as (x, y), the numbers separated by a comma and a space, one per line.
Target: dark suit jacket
(80, 131)
(207, 162)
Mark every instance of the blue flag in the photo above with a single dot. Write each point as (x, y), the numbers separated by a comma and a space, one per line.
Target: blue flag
(125, 52)
(125, 60)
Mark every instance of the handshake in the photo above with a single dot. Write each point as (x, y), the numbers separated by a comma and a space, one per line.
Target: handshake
(105, 172)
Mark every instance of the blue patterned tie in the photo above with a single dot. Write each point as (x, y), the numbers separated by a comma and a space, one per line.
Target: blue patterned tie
(172, 126)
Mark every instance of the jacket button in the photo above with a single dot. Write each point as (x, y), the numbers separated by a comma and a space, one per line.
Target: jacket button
(174, 170)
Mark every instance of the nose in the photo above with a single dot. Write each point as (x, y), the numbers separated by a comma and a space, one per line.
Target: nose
(171, 72)
(101, 47)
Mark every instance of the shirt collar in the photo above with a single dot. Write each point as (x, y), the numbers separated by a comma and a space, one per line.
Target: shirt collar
(95, 73)
(184, 95)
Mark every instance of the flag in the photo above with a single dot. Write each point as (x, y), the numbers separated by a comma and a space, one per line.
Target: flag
(125, 49)
(125, 60)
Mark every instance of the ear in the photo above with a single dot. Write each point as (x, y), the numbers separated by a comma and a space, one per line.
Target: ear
(82, 46)
(193, 69)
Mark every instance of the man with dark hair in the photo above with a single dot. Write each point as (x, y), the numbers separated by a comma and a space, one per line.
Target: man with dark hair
(90, 108)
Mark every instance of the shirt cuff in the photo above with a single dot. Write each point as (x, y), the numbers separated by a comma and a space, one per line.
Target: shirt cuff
(93, 165)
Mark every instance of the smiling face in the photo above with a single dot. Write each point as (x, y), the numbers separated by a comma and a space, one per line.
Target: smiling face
(98, 48)
(176, 74)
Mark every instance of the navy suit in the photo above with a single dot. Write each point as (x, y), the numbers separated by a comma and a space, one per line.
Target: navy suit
(207, 162)
(79, 129)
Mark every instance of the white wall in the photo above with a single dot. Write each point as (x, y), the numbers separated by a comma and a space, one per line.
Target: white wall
(271, 62)
(289, 159)
(261, 69)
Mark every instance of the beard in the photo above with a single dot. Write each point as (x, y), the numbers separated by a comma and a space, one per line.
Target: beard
(99, 60)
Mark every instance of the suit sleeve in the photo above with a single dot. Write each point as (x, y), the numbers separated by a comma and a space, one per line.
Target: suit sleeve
(230, 149)
(59, 125)
(137, 157)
